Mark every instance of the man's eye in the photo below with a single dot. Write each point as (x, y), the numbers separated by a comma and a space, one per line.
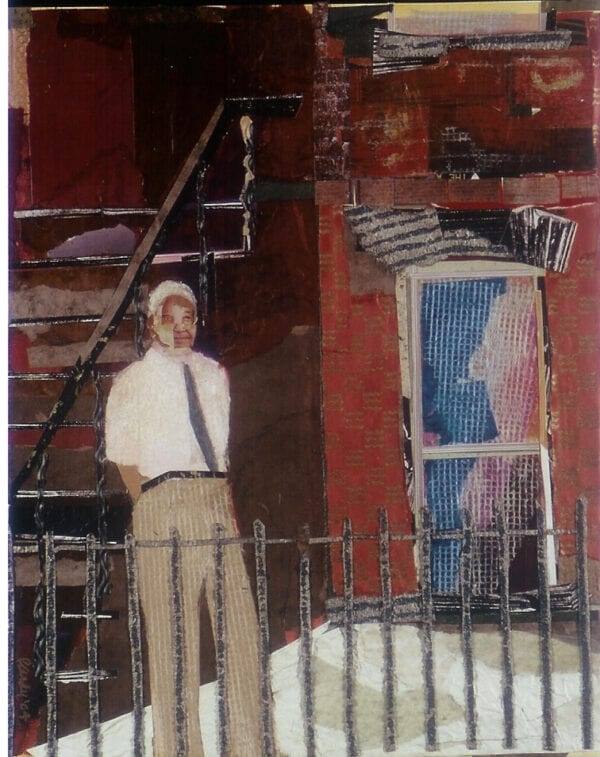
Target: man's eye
(187, 320)
(167, 319)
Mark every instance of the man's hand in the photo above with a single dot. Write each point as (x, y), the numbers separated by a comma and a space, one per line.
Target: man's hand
(133, 480)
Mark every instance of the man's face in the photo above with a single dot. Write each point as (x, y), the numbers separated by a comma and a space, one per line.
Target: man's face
(175, 324)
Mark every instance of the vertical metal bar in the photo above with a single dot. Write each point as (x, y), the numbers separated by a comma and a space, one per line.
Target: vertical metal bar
(203, 262)
(103, 586)
(348, 569)
(92, 645)
(50, 647)
(178, 641)
(260, 557)
(247, 195)
(11, 645)
(389, 697)
(306, 675)
(140, 320)
(221, 643)
(427, 632)
(587, 693)
(467, 628)
(506, 631)
(545, 631)
(135, 640)
(39, 603)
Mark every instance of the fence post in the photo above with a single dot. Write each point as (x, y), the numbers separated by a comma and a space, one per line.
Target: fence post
(584, 625)
(178, 641)
(50, 646)
(348, 569)
(306, 644)
(260, 556)
(427, 632)
(135, 638)
(92, 644)
(545, 631)
(39, 603)
(506, 630)
(103, 586)
(389, 698)
(11, 645)
(220, 643)
(466, 626)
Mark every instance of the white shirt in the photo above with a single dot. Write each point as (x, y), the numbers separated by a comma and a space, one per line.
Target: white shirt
(147, 418)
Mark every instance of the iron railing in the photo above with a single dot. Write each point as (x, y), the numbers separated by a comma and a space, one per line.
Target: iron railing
(423, 609)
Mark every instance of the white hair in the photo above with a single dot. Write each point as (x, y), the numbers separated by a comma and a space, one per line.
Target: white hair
(168, 289)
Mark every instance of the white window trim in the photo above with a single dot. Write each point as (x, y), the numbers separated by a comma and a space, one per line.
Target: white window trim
(409, 325)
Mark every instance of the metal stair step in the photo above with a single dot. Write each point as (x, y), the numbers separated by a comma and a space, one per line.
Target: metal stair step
(83, 676)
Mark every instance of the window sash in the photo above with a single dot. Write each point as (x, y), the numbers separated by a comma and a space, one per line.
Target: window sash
(414, 278)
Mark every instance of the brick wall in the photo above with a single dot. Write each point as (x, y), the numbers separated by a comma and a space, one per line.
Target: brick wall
(395, 121)
(361, 412)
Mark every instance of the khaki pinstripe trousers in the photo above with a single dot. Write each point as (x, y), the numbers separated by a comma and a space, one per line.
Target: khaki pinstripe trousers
(193, 507)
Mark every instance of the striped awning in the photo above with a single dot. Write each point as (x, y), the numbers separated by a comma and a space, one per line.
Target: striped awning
(397, 237)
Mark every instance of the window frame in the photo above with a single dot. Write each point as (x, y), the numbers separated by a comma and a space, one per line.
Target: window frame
(411, 357)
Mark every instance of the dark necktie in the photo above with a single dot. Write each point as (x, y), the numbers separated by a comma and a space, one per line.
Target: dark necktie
(198, 422)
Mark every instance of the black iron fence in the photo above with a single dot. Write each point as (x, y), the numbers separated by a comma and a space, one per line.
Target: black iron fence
(346, 610)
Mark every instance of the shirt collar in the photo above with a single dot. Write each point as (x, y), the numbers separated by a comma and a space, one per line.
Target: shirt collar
(160, 351)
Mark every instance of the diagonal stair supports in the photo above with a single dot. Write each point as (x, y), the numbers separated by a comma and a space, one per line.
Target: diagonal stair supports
(270, 106)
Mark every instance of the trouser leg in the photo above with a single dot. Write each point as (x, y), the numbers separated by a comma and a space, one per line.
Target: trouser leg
(191, 581)
(173, 736)
(242, 677)
(155, 591)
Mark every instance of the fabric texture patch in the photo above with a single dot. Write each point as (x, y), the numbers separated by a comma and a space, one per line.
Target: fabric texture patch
(541, 238)
(396, 237)
(479, 385)
(454, 315)
(393, 52)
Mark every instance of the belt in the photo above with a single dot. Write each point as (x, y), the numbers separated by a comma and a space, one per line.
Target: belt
(181, 474)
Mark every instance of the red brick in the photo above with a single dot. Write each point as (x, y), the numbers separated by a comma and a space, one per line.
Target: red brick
(335, 492)
(420, 190)
(542, 189)
(579, 186)
(475, 190)
(376, 192)
(334, 381)
(356, 477)
(334, 420)
(331, 192)
(375, 495)
(335, 459)
(353, 401)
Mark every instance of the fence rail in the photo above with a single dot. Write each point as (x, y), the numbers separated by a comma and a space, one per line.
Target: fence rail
(346, 611)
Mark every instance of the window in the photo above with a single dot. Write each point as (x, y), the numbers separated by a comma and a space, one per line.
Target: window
(478, 413)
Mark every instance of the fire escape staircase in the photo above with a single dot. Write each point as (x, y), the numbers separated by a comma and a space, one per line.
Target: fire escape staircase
(84, 369)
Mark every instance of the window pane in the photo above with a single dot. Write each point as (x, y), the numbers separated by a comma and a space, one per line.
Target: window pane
(482, 486)
(479, 361)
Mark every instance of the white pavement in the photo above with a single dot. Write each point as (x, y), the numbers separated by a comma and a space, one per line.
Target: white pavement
(327, 666)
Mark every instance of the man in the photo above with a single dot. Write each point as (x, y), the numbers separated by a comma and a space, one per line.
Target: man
(172, 457)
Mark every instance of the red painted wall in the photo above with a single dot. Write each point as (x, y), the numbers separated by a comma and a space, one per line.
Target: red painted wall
(361, 396)
(81, 132)
(574, 325)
